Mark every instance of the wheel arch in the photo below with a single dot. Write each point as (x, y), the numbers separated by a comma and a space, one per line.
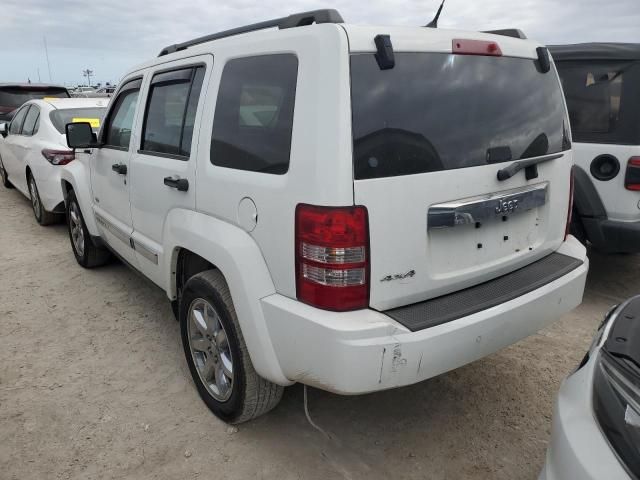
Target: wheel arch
(198, 242)
(74, 176)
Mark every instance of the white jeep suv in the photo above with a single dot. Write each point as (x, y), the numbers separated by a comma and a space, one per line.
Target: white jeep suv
(354, 208)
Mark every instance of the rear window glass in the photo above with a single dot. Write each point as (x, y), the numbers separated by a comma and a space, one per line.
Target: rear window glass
(14, 97)
(602, 98)
(94, 116)
(254, 114)
(434, 112)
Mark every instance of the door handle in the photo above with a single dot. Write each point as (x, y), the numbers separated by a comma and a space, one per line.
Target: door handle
(119, 168)
(180, 184)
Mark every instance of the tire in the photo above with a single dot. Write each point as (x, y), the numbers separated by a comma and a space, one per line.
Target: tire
(87, 254)
(577, 229)
(42, 216)
(3, 176)
(248, 395)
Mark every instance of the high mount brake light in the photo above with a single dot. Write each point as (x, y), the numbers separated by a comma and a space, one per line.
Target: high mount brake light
(58, 157)
(632, 178)
(332, 257)
(463, 46)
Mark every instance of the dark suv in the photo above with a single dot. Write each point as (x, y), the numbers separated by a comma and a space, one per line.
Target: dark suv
(12, 95)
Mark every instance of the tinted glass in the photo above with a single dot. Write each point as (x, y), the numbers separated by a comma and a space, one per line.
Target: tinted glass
(118, 132)
(16, 123)
(94, 115)
(602, 98)
(14, 97)
(171, 110)
(435, 112)
(31, 121)
(254, 114)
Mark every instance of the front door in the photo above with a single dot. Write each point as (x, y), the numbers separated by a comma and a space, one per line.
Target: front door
(110, 172)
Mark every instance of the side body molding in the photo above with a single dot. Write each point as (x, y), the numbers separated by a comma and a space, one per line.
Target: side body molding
(238, 257)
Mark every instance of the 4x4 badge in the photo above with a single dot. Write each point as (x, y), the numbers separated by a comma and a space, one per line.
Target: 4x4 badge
(398, 276)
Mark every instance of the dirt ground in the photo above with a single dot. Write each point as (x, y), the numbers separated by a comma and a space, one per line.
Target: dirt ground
(94, 384)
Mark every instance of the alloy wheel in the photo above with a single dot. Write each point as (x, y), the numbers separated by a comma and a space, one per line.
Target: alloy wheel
(35, 199)
(75, 227)
(210, 349)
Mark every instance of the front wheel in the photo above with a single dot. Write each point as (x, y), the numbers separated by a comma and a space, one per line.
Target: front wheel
(86, 252)
(3, 176)
(217, 354)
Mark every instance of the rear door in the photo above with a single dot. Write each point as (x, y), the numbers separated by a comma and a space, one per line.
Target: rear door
(163, 166)
(603, 98)
(429, 138)
(110, 171)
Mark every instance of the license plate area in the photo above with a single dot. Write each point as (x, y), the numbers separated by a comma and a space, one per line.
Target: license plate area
(476, 210)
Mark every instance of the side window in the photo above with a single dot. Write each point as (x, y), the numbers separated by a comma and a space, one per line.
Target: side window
(171, 110)
(120, 122)
(16, 123)
(31, 121)
(254, 114)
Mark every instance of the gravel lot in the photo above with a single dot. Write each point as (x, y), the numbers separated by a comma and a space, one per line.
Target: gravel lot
(94, 384)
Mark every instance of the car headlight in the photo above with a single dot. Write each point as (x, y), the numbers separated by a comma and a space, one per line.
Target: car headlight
(616, 392)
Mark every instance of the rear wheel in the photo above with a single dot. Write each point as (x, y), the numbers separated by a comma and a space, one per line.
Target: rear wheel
(3, 176)
(577, 229)
(86, 252)
(42, 216)
(217, 354)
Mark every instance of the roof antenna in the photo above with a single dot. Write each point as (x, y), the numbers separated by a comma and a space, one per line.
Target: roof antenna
(434, 23)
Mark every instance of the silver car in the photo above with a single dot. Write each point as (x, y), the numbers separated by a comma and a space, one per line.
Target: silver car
(596, 425)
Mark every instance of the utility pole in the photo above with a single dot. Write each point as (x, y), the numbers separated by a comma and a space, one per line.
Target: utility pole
(46, 51)
(88, 73)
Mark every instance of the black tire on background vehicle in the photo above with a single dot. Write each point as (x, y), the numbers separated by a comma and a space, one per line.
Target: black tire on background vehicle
(217, 354)
(3, 176)
(86, 252)
(577, 229)
(42, 216)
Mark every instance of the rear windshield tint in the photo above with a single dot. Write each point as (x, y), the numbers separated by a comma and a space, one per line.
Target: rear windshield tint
(14, 97)
(603, 99)
(434, 112)
(94, 116)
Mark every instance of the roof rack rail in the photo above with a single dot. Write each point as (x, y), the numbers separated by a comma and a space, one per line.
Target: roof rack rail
(508, 32)
(292, 21)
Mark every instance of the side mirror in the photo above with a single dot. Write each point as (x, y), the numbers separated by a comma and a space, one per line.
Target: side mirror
(4, 129)
(80, 135)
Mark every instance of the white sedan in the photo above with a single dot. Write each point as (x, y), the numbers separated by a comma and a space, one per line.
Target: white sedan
(34, 147)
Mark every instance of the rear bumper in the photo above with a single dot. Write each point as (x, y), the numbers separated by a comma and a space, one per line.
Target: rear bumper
(613, 236)
(365, 351)
(578, 449)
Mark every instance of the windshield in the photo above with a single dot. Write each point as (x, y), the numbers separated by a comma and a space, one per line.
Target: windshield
(435, 112)
(93, 115)
(602, 98)
(13, 97)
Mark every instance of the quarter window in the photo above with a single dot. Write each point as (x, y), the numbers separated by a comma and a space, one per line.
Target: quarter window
(254, 114)
(16, 124)
(171, 111)
(31, 121)
(120, 123)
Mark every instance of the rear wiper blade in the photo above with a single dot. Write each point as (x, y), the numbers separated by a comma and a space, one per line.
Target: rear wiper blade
(508, 172)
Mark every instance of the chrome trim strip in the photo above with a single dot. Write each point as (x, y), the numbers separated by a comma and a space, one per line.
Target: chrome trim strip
(112, 229)
(146, 252)
(477, 209)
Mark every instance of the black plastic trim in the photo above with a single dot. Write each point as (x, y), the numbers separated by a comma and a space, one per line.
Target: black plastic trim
(486, 295)
(598, 161)
(586, 198)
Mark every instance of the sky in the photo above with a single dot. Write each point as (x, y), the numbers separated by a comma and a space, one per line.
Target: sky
(111, 36)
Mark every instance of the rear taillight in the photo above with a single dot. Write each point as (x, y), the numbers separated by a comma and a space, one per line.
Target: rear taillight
(567, 229)
(632, 178)
(462, 46)
(58, 157)
(332, 257)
